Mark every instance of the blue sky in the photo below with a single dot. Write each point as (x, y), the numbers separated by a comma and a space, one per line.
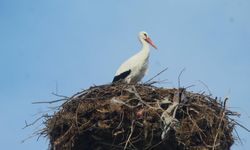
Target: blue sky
(64, 46)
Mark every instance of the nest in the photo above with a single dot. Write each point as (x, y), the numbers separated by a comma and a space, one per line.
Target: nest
(122, 116)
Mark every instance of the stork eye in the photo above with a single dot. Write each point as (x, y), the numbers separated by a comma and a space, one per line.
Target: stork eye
(145, 34)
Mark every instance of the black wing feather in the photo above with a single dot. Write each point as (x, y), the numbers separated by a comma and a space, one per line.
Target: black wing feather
(121, 76)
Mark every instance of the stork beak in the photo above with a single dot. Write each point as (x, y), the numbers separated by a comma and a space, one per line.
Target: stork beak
(150, 42)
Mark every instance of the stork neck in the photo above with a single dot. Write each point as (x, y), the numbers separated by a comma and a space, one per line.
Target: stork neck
(145, 46)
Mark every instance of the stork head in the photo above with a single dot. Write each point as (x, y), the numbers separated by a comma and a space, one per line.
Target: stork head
(144, 36)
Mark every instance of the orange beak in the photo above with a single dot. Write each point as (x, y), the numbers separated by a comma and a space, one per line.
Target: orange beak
(150, 42)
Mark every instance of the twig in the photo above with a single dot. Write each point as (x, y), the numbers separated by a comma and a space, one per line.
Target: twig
(134, 91)
(131, 132)
(50, 102)
(157, 82)
(238, 136)
(64, 98)
(114, 100)
(119, 125)
(222, 116)
(156, 75)
(61, 138)
(179, 77)
(194, 123)
(34, 122)
(248, 130)
(189, 86)
(58, 95)
(83, 92)
(204, 84)
(32, 136)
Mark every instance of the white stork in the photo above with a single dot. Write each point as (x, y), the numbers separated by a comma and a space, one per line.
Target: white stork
(133, 69)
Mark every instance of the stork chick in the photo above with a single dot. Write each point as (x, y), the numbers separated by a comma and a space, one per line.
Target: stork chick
(134, 69)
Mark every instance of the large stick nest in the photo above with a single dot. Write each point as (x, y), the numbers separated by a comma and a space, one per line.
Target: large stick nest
(123, 116)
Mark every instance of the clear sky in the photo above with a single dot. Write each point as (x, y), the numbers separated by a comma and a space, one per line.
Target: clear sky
(64, 46)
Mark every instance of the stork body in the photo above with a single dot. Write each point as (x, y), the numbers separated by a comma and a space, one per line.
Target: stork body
(134, 69)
